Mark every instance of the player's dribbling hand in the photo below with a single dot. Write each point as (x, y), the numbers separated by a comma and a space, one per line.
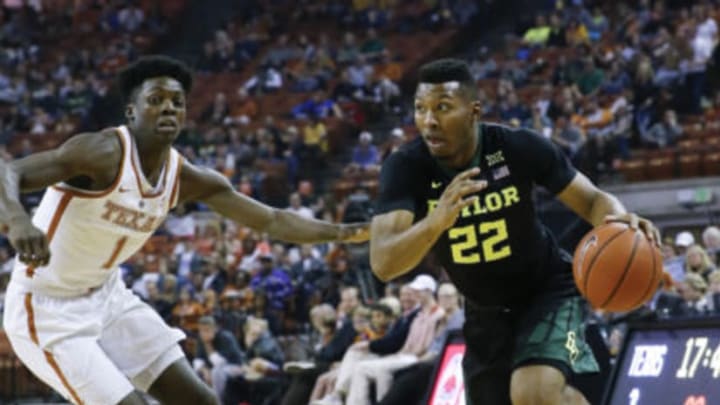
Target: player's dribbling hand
(30, 242)
(636, 222)
(457, 196)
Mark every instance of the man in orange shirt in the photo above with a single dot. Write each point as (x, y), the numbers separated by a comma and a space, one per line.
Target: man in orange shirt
(245, 106)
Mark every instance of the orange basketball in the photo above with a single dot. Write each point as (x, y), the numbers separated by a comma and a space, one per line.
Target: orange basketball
(616, 268)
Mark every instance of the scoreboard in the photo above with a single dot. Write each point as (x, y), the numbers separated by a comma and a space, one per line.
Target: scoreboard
(668, 363)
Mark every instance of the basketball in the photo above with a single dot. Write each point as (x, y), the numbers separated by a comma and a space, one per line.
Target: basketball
(616, 268)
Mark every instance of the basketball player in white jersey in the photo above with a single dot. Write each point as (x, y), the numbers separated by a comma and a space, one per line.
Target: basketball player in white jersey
(68, 315)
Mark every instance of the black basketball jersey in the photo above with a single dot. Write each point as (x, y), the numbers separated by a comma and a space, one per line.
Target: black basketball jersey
(498, 253)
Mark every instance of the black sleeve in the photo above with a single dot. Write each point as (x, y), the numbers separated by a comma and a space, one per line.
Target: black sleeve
(228, 347)
(395, 338)
(338, 345)
(396, 187)
(543, 161)
(271, 351)
(202, 353)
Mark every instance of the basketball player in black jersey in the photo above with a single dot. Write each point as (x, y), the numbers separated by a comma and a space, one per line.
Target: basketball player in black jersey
(464, 188)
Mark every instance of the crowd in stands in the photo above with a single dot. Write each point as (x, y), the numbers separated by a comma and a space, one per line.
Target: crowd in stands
(693, 265)
(234, 292)
(691, 260)
(49, 87)
(346, 72)
(275, 323)
(606, 78)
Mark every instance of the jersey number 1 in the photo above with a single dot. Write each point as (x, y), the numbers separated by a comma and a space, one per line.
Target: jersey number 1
(466, 241)
(118, 247)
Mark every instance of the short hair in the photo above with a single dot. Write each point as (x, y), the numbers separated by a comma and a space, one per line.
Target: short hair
(324, 311)
(447, 288)
(148, 67)
(361, 311)
(709, 233)
(393, 303)
(252, 321)
(326, 315)
(447, 70)
(382, 308)
(354, 289)
(207, 320)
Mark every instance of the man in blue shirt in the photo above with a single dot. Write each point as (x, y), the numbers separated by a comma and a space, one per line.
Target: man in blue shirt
(274, 282)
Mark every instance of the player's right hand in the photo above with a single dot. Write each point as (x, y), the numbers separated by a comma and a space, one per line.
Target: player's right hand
(458, 195)
(30, 242)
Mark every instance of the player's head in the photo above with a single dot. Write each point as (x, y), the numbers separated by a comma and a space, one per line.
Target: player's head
(154, 89)
(446, 107)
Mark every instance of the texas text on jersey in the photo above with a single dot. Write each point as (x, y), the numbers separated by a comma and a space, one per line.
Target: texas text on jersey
(90, 233)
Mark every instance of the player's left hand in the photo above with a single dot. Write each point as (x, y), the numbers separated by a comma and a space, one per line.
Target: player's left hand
(637, 222)
(354, 233)
(29, 241)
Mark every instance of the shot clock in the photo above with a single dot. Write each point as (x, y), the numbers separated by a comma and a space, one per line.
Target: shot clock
(668, 363)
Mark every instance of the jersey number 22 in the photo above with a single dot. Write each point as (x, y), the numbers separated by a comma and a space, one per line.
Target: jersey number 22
(465, 242)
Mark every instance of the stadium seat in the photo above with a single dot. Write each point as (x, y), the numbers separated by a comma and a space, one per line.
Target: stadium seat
(690, 145)
(661, 168)
(711, 143)
(633, 170)
(694, 131)
(659, 153)
(690, 164)
(711, 164)
(342, 188)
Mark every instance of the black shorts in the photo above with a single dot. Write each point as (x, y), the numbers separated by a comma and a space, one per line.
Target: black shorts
(550, 332)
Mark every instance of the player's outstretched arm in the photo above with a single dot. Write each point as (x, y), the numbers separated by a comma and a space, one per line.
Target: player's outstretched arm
(213, 189)
(10, 207)
(94, 155)
(397, 245)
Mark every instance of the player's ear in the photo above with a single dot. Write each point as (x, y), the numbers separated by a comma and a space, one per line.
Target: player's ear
(130, 112)
(476, 110)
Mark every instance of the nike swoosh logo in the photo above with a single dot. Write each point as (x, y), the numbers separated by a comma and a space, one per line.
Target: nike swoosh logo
(435, 184)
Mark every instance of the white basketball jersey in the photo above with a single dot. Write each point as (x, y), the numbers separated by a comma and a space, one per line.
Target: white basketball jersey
(90, 233)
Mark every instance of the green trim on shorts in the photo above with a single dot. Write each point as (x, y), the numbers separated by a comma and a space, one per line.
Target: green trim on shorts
(558, 334)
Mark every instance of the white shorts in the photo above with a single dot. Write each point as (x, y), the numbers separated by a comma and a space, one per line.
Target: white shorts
(94, 349)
